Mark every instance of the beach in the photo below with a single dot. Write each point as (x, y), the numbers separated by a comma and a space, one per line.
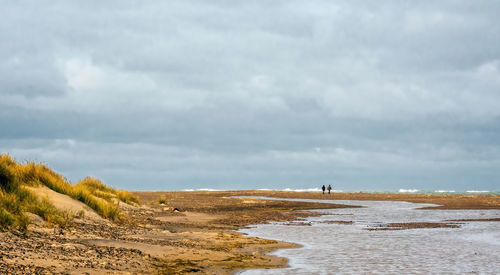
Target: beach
(250, 137)
(191, 232)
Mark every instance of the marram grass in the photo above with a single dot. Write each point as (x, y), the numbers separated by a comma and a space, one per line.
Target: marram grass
(16, 200)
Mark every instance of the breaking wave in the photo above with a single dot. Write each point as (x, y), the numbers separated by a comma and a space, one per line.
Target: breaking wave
(203, 189)
(408, 190)
(402, 190)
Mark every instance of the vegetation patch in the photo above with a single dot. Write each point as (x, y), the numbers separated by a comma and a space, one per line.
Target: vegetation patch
(16, 199)
(162, 200)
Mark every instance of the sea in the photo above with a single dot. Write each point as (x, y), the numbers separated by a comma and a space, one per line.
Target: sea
(341, 242)
(404, 191)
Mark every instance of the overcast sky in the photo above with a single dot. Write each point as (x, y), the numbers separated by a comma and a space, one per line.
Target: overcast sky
(172, 95)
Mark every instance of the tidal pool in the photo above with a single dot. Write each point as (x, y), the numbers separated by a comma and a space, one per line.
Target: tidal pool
(339, 242)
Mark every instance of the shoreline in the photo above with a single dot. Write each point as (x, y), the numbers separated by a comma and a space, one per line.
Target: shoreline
(233, 214)
(188, 232)
(448, 201)
(445, 201)
(398, 226)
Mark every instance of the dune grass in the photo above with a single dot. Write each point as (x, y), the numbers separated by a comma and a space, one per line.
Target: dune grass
(162, 200)
(98, 189)
(16, 199)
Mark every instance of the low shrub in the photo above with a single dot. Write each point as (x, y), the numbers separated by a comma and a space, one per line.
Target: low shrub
(8, 181)
(6, 219)
(103, 207)
(127, 197)
(162, 200)
(45, 209)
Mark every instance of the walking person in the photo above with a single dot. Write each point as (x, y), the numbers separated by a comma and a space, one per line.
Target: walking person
(323, 188)
(329, 189)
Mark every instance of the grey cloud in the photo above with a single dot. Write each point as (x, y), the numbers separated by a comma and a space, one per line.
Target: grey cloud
(23, 76)
(235, 94)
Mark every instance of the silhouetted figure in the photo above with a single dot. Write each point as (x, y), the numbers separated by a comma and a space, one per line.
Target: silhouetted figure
(329, 189)
(323, 188)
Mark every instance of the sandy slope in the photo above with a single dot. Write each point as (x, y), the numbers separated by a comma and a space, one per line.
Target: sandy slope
(65, 202)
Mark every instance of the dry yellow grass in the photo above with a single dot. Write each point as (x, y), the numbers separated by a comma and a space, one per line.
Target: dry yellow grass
(15, 200)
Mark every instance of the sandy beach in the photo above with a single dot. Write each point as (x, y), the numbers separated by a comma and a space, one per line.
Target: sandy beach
(181, 232)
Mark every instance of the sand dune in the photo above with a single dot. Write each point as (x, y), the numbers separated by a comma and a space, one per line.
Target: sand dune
(64, 202)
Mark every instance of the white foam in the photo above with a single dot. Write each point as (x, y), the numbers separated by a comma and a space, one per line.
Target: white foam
(202, 189)
(476, 191)
(408, 190)
(300, 190)
(445, 191)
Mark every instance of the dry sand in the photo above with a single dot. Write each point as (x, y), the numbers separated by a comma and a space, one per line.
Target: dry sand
(64, 202)
(200, 237)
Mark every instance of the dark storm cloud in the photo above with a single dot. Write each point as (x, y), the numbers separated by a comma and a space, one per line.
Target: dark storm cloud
(255, 94)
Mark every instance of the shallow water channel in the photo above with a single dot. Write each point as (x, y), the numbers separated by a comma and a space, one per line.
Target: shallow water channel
(349, 248)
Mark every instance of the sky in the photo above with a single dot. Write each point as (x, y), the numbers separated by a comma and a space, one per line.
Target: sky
(174, 95)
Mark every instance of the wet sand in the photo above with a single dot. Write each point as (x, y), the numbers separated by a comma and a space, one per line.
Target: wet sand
(444, 201)
(199, 236)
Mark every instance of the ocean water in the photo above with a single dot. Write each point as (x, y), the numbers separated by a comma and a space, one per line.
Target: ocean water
(414, 191)
(330, 248)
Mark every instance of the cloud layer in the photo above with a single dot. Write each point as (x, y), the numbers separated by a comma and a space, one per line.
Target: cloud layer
(255, 94)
